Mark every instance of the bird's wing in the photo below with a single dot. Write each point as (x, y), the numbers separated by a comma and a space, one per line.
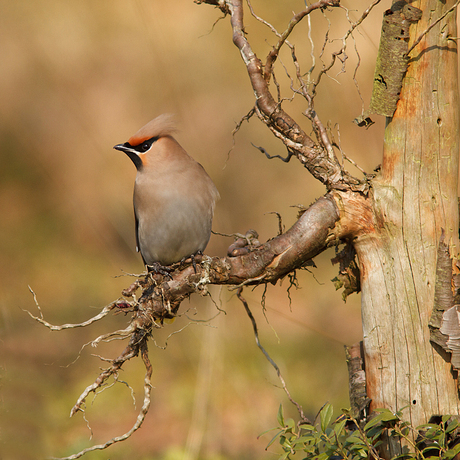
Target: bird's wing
(137, 234)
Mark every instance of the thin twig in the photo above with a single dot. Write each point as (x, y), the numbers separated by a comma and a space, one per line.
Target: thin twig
(270, 360)
(141, 416)
(246, 117)
(127, 354)
(337, 54)
(419, 38)
(273, 55)
(263, 21)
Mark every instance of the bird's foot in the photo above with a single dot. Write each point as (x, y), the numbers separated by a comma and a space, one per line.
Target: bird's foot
(193, 257)
(159, 269)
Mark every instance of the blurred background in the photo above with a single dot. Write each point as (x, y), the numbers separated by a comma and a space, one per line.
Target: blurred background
(78, 78)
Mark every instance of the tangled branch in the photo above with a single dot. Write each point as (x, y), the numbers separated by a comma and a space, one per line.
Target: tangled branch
(318, 158)
(116, 365)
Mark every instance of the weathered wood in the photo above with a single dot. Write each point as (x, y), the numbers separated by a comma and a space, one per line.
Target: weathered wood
(413, 200)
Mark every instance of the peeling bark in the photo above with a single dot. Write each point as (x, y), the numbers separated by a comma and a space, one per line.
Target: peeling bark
(392, 61)
(443, 295)
(359, 401)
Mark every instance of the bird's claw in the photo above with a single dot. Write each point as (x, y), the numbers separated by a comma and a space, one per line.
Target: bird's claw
(192, 256)
(159, 269)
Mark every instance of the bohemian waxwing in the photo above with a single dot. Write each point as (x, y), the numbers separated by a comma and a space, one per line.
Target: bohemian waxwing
(174, 197)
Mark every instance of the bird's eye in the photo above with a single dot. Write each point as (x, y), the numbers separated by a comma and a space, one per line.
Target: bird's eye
(145, 146)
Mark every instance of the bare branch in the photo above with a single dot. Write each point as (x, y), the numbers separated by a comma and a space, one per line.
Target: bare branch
(272, 56)
(341, 52)
(269, 262)
(129, 352)
(321, 163)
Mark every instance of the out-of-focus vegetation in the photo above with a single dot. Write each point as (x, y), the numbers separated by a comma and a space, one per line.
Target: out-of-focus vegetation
(345, 438)
(80, 77)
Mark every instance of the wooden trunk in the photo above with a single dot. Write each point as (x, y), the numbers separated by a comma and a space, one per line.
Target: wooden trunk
(414, 198)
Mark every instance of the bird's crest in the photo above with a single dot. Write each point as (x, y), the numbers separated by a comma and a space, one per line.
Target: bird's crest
(160, 126)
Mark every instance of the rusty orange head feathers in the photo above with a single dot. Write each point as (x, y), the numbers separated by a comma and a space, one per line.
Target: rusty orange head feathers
(160, 126)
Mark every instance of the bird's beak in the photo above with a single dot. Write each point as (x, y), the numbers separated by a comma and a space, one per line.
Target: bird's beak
(122, 148)
(128, 149)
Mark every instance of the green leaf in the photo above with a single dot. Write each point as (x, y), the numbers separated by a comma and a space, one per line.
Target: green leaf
(373, 422)
(280, 416)
(404, 456)
(309, 449)
(289, 424)
(362, 453)
(304, 440)
(388, 416)
(339, 426)
(323, 456)
(375, 432)
(326, 416)
(272, 440)
(308, 427)
(430, 449)
(452, 425)
(427, 426)
(451, 453)
(355, 440)
(445, 418)
(265, 432)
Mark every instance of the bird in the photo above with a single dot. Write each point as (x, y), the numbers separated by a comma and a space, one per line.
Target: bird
(174, 198)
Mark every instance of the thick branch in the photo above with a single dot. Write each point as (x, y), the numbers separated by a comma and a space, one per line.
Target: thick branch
(309, 236)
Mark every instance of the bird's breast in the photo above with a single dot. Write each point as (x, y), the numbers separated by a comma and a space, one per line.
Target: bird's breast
(174, 217)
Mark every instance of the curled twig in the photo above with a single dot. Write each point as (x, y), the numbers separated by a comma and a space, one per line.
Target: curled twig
(105, 311)
(270, 157)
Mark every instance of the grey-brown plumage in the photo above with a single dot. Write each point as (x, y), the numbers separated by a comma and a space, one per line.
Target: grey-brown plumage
(174, 197)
